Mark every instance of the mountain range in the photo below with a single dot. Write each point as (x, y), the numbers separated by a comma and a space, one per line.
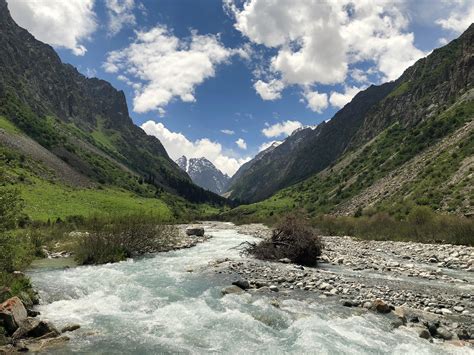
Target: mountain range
(394, 145)
(402, 143)
(73, 130)
(204, 174)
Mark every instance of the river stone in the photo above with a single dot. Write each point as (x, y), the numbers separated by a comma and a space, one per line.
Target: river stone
(273, 288)
(34, 328)
(12, 314)
(243, 284)
(380, 306)
(231, 290)
(458, 308)
(285, 261)
(423, 332)
(70, 328)
(197, 231)
(444, 333)
(36, 346)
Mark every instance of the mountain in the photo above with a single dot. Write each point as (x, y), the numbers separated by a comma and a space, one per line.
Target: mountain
(75, 130)
(422, 93)
(204, 174)
(404, 143)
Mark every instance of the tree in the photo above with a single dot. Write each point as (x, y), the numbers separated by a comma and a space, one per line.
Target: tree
(11, 207)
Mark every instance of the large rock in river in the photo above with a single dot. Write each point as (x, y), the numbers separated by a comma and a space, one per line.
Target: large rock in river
(12, 314)
(197, 231)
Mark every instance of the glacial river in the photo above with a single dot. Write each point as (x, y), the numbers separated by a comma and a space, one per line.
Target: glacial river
(156, 305)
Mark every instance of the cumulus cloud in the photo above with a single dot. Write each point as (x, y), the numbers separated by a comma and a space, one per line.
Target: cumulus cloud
(315, 42)
(280, 129)
(315, 101)
(269, 91)
(460, 18)
(168, 66)
(340, 99)
(228, 132)
(241, 143)
(120, 14)
(66, 24)
(177, 145)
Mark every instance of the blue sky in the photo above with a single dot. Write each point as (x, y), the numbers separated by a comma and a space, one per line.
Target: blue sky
(222, 79)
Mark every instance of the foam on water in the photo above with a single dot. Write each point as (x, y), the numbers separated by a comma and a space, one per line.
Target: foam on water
(154, 305)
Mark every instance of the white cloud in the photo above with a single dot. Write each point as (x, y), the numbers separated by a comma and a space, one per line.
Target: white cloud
(176, 144)
(64, 24)
(90, 72)
(266, 145)
(317, 41)
(359, 75)
(241, 143)
(315, 101)
(269, 91)
(339, 100)
(168, 66)
(228, 132)
(460, 18)
(283, 128)
(120, 14)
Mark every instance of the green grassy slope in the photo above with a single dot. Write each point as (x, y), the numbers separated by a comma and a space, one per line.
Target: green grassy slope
(427, 164)
(46, 197)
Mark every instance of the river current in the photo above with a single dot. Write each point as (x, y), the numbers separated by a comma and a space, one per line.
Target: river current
(166, 304)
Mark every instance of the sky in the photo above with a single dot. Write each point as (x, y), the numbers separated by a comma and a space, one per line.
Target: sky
(224, 79)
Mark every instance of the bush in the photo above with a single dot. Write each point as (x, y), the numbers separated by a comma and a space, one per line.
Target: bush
(119, 238)
(421, 225)
(293, 238)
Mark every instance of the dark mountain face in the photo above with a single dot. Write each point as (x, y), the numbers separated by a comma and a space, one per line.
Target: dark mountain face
(83, 121)
(426, 88)
(204, 174)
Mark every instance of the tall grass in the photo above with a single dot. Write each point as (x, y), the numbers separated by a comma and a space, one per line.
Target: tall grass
(421, 225)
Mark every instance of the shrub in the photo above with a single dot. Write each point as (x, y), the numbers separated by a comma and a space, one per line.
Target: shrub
(421, 225)
(293, 238)
(120, 238)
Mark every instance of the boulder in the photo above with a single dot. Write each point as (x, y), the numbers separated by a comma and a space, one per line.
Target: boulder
(35, 328)
(243, 284)
(197, 231)
(12, 314)
(380, 306)
(231, 290)
(285, 261)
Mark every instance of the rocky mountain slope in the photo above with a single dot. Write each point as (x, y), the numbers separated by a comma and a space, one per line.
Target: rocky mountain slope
(204, 174)
(414, 145)
(77, 128)
(423, 92)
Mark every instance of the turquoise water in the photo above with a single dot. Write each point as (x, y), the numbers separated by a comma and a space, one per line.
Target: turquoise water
(155, 305)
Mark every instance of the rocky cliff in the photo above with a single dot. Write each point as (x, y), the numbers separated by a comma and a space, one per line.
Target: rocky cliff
(425, 90)
(82, 121)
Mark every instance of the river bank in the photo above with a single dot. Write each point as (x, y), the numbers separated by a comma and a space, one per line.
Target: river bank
(173, 302)
(430, 286)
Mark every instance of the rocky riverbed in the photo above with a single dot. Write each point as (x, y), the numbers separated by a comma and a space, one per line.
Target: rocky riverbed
(429, 287)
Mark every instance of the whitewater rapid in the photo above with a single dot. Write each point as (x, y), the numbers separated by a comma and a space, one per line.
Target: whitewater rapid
(167, 304)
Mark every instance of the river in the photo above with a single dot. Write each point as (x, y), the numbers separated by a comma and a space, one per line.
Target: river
(157, 305)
